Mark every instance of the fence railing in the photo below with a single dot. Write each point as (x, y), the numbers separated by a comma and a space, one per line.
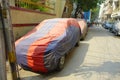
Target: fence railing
(28, 4)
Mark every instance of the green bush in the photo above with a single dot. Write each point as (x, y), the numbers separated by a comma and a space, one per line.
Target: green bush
(33, 7)
(35, 0)
(24, 5)
(42, 9)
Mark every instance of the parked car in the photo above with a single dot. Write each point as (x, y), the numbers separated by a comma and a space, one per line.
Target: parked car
(116, 28)
(107, 25)
(111, 28)
(84, 28)
(43, 49)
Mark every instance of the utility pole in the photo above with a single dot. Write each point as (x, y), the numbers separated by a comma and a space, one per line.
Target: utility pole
(2, 50)
(6, 27)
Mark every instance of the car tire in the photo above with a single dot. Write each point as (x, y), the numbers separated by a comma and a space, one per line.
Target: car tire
(82, 39)
(61, 63)
(77, 44)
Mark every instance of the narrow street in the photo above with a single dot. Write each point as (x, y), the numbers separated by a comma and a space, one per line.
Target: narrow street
(97, 58)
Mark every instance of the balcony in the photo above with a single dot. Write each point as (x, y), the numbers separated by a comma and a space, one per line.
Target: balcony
(108, 9)
(116, 13)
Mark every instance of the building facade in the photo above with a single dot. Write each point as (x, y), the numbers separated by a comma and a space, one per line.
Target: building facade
(109, 9)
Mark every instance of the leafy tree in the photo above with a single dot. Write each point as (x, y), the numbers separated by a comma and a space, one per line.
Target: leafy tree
(87, 4)
(35, 0)
(100, 1)
(94, 13)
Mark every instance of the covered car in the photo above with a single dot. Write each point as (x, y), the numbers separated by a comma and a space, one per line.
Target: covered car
(43, 49)
(83, 27)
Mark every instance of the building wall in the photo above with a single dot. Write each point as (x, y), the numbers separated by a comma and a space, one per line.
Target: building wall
(2, 57)
(21, 31)
(68, 9)
(59, 7)
(28, 16)
(24, 20)
(12, 2)
(101, 11)
(114, 11)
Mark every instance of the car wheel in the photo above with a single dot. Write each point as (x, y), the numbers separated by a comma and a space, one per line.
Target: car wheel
(61, 63)
(77, 44)
(83, 37)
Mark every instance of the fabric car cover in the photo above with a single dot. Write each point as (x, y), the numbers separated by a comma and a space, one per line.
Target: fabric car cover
(46, 43)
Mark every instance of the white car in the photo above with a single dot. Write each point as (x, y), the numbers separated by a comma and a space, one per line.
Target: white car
(116, 28)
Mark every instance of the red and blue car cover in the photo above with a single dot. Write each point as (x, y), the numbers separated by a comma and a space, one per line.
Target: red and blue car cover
(40, 49)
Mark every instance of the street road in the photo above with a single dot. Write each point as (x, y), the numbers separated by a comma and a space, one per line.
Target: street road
(97, 58)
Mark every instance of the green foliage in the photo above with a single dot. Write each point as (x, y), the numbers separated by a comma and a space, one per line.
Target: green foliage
(100, 1)
(33, 7)
(90, 5)
(35, 0)
(94, 13)
(87, 4)
(42, 9)
(74, 1)
(24, 5)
